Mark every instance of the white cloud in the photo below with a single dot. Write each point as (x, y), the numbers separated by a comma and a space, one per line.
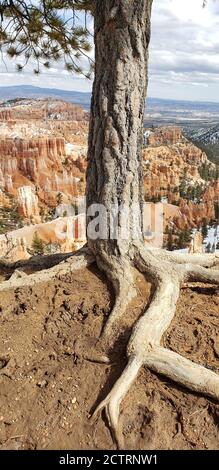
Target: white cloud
(184, 58)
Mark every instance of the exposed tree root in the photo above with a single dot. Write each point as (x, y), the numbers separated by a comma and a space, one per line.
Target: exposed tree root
(80, 260)
(112, 402)
(199, 274)
(36, 262)
(205, 260)
(183, 371)
(120, 273)
(168, 273)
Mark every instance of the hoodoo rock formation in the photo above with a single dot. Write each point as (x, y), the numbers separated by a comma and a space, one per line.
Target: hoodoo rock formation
(42, 162)
(165, 166)
(61, 110)
(43, 148)
(67, 234)
(163, 136)
(53, 109)
(21, 149)
(13, 249)
(169, 160)
(4, 200)
(196, 245)
(28, 206)
(194, 214)
(5, 115)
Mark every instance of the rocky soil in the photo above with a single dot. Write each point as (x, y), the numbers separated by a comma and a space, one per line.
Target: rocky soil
(48, 387)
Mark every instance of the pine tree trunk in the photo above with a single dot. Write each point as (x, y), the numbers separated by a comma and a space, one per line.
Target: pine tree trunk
(114, 179)
(114, 176)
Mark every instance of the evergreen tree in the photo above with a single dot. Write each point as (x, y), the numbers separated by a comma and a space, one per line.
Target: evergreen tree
(204, 230)
(216, 208)
(208, 248)
(75, 208)
(39, 30)
(183, 188)
(37, 245)
(187, 235)
(181, 241)
(170, 243)
(59, 198)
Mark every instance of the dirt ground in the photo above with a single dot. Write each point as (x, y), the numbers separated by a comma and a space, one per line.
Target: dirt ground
(48, 389)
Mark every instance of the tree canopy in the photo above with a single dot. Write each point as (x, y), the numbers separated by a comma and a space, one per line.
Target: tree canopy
(46, 31)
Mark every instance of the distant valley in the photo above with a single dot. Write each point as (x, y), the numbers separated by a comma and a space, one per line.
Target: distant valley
(28, 91)
(158, 111)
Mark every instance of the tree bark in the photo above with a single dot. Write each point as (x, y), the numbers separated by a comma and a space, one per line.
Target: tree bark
(114, 176)
(114, 179)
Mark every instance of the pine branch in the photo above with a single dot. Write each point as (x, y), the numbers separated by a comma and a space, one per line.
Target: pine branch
(41, 32)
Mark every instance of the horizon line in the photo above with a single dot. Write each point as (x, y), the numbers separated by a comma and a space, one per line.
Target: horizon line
(90, 93)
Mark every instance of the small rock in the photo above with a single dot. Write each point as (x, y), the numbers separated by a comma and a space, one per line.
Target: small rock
(17, 275)
(42, 383)
(4, 362)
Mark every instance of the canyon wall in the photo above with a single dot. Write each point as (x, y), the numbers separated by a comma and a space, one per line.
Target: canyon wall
(28, 205)
(165, 167)
(42, 163)
(163, 136)
(4, 200)
(193, 215)
(13, 249)
(6, 114)
(168, 160)
(66, 234)
(42, 109)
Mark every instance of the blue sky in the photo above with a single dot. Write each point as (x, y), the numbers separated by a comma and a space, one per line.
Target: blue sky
(184, 55)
